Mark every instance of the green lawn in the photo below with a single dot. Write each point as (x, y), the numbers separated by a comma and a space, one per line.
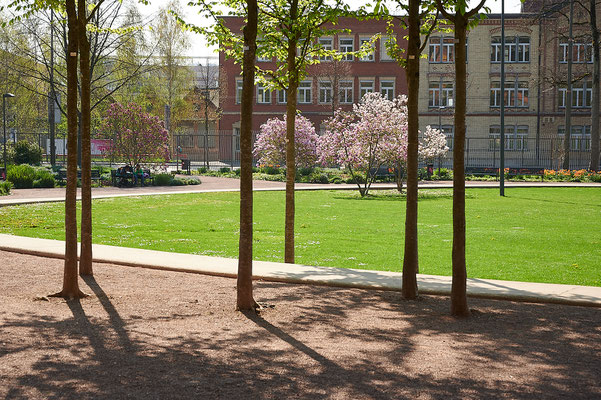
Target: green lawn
(541, 235)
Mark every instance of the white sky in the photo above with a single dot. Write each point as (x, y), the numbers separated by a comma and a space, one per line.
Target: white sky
(200, 48)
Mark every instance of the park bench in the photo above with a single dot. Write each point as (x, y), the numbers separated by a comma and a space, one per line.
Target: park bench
(62, 175)
(482, 171)
(527, 171)
(127, 179)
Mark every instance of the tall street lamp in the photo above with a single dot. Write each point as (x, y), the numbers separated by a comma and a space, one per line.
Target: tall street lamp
(4, 96)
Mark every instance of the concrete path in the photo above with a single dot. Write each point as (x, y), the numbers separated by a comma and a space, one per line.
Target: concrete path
(294, 273)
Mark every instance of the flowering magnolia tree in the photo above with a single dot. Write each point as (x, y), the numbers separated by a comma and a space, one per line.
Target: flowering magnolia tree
(135, 137)
(433, 144)
(270, 147)
(372, 135)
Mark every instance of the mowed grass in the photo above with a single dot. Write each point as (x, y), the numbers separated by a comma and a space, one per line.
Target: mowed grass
(538, 235)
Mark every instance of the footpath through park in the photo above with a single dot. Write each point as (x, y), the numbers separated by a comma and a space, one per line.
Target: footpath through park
(295, 273)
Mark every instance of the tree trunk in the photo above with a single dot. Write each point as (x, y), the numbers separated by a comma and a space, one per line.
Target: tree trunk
(70, 288)
(245, 300)
(290, 145)
(459, 305)
(410, 258)
(594, 166)
(85, 257)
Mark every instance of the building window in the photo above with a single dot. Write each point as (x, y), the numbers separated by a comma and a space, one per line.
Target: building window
(384, 54)
(237, 139)
(345, 92)
(263, 95)
(238, 91)
(282, 96)
(366, 86)
(516, 137)
(346, 45)
(441, 50)
(325, 92)
(326, 44)
(448, 131)
(516, 94)
(363, 42)
(387, 89)
(581, 53)
(517, 49)
(441, 94)
(305, 95)
(582, 95)
(580, 138)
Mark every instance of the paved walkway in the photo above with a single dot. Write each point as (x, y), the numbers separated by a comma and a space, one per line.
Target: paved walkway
(428, 284)
(295, 273)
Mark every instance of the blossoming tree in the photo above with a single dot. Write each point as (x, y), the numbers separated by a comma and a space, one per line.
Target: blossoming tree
(372, 135)
(136, 137)
(433, 144)
(270, 147)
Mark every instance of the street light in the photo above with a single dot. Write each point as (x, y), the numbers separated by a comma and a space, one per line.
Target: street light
(4, 96)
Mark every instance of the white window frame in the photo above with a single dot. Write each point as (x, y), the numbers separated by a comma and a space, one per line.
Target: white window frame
(384, 56)
(325, 92)
(441, 94)
(346, 45)
(581, 95)
(282, 96)
(517, 49)
(304, 92)
(345, 91)
(387, 92)
(327, 43)
(366, 86)
(369, 57)
(238, 95)
(263, 95)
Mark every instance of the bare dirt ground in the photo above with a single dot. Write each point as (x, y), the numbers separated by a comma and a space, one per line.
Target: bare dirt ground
(164, 335)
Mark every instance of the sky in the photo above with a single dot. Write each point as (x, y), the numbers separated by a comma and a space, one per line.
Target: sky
(199, 47)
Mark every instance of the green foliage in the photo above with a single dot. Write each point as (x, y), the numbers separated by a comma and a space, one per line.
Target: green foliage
(178, 182)
(162, 180)
(27, 153)
(21, 176)
(5, 188)
(224, 170)
(445, 175)
(44, 179)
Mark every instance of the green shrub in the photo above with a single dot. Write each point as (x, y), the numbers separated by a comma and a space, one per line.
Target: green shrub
(319, 177)
(444, 175)
(193, 181)
(162, 180)
(22, 176)
(270, 170)
(305, 171)
(237, 172)
(224, 170)
(27, 153)
(5, 188)
(202, 170)
(335, 179)
(43, 179)
(178, 182)
(595, 177)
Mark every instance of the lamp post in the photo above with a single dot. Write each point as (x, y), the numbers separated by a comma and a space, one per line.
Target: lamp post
(4, 96)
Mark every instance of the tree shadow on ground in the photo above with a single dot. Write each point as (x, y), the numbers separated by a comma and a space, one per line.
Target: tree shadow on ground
(300, 349)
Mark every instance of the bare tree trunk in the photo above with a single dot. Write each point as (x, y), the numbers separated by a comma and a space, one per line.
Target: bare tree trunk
(459, 305)
(594, 166)
(290, 145)
(245, 300)
(85, 258)
(70, 288)
(410, 258)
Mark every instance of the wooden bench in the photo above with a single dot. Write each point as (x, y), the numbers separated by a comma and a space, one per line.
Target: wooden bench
(527, 171)
(62, 175)
(128, 180)
(482, 171)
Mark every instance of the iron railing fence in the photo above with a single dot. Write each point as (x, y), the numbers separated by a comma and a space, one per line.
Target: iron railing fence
(222, 149)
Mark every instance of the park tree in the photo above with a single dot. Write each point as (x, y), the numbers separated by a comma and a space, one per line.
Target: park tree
(463, 19)
(270, 146)
(433, 144)
(366, 138)
(244, 52)
(420, 21)
(173, 80)
(135, 136)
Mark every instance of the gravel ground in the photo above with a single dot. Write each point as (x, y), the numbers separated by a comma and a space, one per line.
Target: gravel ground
(165, 335)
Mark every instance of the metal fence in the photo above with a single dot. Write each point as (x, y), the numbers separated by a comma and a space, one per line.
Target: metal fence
(222, 149)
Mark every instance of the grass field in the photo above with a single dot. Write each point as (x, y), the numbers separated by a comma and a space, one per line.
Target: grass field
(538, 235)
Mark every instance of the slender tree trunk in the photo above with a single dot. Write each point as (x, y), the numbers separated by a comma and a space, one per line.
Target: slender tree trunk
(595, 108)
(410, 258)
(245, 300)
(290, 145)
(459, 305)
(70, 288)
(568, 130)
(85, 258)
